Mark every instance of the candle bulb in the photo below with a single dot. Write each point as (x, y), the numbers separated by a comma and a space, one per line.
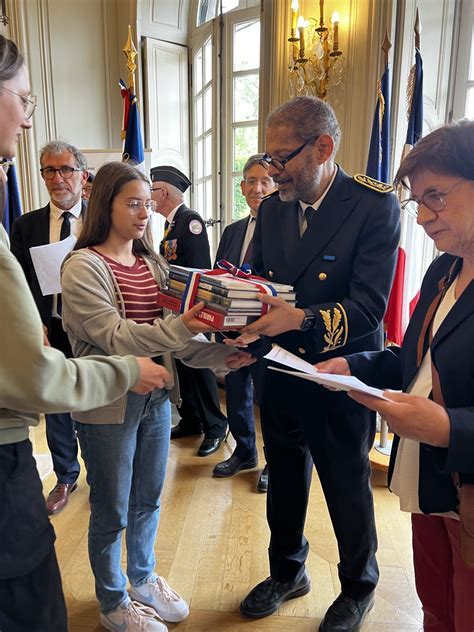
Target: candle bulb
(294, 17)
(335, 25)
(301, 26)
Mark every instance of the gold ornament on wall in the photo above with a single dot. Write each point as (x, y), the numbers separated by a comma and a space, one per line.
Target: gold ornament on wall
(316, 64)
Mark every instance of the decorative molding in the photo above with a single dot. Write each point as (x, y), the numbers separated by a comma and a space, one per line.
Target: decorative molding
(46, 68)
(107, 69)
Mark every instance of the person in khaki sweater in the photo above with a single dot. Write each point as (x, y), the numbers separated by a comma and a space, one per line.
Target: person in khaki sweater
(34, 379)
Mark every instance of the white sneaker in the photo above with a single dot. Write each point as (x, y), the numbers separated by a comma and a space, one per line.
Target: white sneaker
(132, 617)
(160, 596)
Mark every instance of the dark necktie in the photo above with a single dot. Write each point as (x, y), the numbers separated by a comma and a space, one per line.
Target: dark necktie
(65, 232)
(308, 216)
(167, 230)
(248, 253)
(65, 226)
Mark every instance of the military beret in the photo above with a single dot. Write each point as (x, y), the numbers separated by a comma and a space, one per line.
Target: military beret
(171, 175)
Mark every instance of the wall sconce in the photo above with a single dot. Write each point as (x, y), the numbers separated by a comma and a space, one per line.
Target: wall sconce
(316, 63)
(3, 13)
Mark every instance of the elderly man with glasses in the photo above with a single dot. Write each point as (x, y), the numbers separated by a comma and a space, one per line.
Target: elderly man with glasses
(64, 171)
(335, 239)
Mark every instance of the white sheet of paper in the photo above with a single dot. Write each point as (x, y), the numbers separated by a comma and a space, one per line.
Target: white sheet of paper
(308, 372)
(47, 262)
(282, 356)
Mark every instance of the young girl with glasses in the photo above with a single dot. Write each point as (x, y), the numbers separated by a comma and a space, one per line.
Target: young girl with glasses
(110, 284)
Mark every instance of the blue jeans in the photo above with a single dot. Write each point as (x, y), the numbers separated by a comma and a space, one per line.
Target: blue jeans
(126, 467)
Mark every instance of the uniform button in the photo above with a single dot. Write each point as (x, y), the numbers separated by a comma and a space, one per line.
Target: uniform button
(302, 351)
(270, 274)
(322, 276)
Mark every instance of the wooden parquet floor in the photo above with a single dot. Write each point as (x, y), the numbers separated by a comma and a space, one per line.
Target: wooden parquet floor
(212, 548)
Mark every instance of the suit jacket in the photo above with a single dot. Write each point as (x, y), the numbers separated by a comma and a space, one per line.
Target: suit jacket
(451, 352)
(32, 229)
(232, 240)
(186, 243)
(342, 267)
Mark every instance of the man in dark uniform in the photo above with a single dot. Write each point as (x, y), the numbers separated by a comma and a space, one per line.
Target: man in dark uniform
(185, 243)
(236, 247)
(335, 239)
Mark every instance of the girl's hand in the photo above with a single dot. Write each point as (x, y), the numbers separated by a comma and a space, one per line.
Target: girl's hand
(190, 321)
(239, 359)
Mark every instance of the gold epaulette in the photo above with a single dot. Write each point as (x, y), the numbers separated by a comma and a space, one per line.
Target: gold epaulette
(371, 183)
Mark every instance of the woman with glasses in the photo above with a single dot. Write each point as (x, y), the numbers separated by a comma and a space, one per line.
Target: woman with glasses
(110, 284)
(432, 460)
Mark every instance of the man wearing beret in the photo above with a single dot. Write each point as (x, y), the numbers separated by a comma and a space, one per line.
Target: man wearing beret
(185, 243)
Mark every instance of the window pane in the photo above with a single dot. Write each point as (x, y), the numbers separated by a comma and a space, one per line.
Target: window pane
(470, 103)
(206, 11)
(471, 64)
(246, 98)
(247, 45)
(245, 145)
(199, 159)
(209, 210)
(198, 117)
(239, 206)
(208, 109)
(208, 155)
(208, 61)
(200, 198)
(198, 71)
(228, 5)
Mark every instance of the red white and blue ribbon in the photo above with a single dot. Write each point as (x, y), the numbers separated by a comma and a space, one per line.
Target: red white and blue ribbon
(224, 268)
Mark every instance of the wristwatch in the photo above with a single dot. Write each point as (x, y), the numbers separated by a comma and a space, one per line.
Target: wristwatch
(309, 320)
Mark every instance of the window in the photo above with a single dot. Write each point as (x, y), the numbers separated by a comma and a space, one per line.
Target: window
(245, 91)
(225, 53)
(210, 9)
(469, 107)
(203, 137)
(463, 104)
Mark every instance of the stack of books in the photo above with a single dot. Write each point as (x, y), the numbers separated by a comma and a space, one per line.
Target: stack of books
(230, 302)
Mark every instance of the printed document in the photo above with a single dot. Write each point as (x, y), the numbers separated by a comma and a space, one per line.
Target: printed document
(307, 371)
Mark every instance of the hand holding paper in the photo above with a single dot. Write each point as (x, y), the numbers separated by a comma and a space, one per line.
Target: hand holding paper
(308, 372)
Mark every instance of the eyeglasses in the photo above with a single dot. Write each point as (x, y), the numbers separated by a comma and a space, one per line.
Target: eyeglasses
(29, 104)
(66, 172)
(265, 182)
(158, 189)
(431, 198)
(280, 164)
(135, 205)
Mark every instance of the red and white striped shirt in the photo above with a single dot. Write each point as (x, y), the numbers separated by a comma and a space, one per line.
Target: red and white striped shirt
(138, 287)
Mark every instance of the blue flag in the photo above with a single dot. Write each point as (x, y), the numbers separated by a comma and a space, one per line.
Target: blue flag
(378, 162)
(133, 151)
(415, 119)
(12, 200)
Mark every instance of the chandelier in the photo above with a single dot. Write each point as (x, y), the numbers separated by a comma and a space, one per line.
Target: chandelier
(315, 61)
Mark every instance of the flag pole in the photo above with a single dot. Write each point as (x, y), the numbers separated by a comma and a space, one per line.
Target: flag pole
(386, 46)
(384, 445)
(130, 53)
(417, 29)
